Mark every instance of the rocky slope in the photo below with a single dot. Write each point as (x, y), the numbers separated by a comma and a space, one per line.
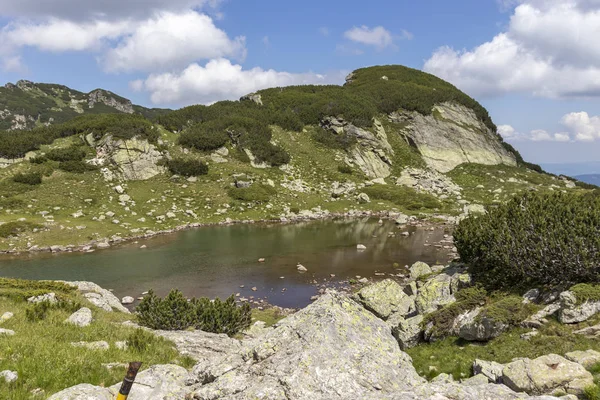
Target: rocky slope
(333, 349)
(25, 105)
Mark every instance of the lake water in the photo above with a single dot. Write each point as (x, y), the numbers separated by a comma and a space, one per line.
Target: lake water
(215, 261)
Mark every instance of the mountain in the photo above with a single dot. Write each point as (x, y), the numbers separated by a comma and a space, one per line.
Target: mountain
(391, 140)
(25, 105)
(592, 179)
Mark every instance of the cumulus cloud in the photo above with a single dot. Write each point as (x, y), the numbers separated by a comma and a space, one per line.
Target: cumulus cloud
(580, 127)
(378, 36)
(218, 80)
(171, 40)
(540, 53)
(165, 41)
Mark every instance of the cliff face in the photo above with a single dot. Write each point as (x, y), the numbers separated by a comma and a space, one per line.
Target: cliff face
(451, 136)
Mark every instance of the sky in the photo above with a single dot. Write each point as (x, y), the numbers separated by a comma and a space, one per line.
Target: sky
(534, 64)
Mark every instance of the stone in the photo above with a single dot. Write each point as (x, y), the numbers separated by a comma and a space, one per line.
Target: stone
(476, 380)
(539, 318)
(84, 391)
(49, 297)
(385, 298)
(158, 382)
(301, 268)
(587, 358)
(419, 269)
(99, 345)
(98, 296)
(407, 332)
(402, 219)
(490, 369)
(571, 312)
(439, 291)
(591, 331)
(443, 378)
(119, 189)
(361, 247)
(9, 376)
(6, 332)
(363, 198)
(481, 329)
(127, 300)
(531, 296)
(124, 198)
(546, 375)
(102, 245)
(529, 335)
(201, 345)
(82, 317)
(121, 345)
(473, 209)
(356, 356)
(6, 316)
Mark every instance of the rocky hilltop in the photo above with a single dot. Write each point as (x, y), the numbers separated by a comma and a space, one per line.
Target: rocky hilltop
(26, 104)
(391, 141)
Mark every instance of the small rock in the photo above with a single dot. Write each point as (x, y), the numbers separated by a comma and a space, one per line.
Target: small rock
(119, 189)
(419, 269)
(361, 247)
(301, 268)
(9, 376)
(531, 296)
(127, 300)
(121, 345)
(6, 316)
(49, 297)
(99, 345)
(6, 332)
(261, 260)
(529, 335)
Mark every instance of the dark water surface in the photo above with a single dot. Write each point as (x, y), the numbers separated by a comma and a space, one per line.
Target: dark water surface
(215, 261)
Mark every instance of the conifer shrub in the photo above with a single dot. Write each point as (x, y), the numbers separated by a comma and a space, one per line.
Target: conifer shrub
(403, 196)
(534, 239)
(255, 193)
(345, 169)
(332, 140)
(175, 312)
(204, 137)
(28, 178)
(187, 167)
(76, 166)
(72, 153)
(14, 228)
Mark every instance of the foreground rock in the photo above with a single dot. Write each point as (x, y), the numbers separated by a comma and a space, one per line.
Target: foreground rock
(439, 290)
(98, 296)
(550, 374)
(385, 298)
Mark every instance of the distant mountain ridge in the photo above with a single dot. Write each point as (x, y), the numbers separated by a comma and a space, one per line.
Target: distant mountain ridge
(592, 179)
(26, 104)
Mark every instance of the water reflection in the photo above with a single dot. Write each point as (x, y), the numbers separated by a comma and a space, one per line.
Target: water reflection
(215, 261)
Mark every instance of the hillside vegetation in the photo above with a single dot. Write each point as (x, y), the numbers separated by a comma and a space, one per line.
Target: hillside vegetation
(294, 152)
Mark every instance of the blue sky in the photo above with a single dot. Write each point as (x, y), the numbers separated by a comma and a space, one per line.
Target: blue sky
(535, 64)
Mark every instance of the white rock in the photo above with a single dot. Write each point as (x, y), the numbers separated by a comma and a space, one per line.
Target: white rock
(6, 316)
(127, 300)
(119, 189)
(82, 317)
(49, 297)
(301, 268)
(99, 345)
(6, 332)
(361, 247)
(9, 376)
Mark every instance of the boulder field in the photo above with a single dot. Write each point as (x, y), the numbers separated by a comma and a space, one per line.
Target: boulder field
(333, 349)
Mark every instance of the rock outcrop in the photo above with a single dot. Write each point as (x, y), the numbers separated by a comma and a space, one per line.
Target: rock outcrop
(572, 311)
(98, 296)
(451, 136)
(109, 99)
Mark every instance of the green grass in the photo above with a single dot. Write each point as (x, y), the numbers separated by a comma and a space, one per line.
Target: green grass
(41, 353)
(403, 196)
(270, 316)
(455, 356)
(585, 292)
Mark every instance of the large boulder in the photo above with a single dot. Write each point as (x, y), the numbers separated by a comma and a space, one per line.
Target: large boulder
(201, 345)
(572, 311)
(419, 269)
(587, 358)
(84, 391)
(490, 369)
(385, 298)
(333, 349)
(81, 317)
(164, 382)
(548, 374)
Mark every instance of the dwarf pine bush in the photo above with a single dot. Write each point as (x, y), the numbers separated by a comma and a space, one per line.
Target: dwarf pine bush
(549, 239)
(175, 312)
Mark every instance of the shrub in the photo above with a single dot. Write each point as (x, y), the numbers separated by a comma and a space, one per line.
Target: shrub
(76, 166)
(204, 137)
(73, 153)
(509, 310)
(255, 193)
(466, 300)
(534, 239)
(345, 169)
(586, 292)
(30, 178)
(39, 311)
(190, 167)
(175, 312)
(140, 340)
(332, 140)
(14, 228)
(402, 196)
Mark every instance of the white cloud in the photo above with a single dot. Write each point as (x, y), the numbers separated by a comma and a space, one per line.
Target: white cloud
(378, 36)
(549, 49)
(169, 41)
(219, 80)
(506, 131)
(79, 10)
(163, 42)
(582, 126)
(324, 31)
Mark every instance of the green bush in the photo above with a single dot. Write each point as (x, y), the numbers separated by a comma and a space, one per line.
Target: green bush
(73, 153)
(255, 193)
(586, 292)
(403, 196)
(39, 311)
(140, 340)
(14, 228)
(204, 137)
(175, 312)
(30, 178)
(332, 140)
(76, 166)
(509, 310)
(534, 239)
(345, 169)
(178, 166)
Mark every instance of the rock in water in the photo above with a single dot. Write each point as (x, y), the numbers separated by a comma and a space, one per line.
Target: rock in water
(419, 269)
(301, 268)
(385, 298)
(333, 349)
(127, 300)
(81, 317)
